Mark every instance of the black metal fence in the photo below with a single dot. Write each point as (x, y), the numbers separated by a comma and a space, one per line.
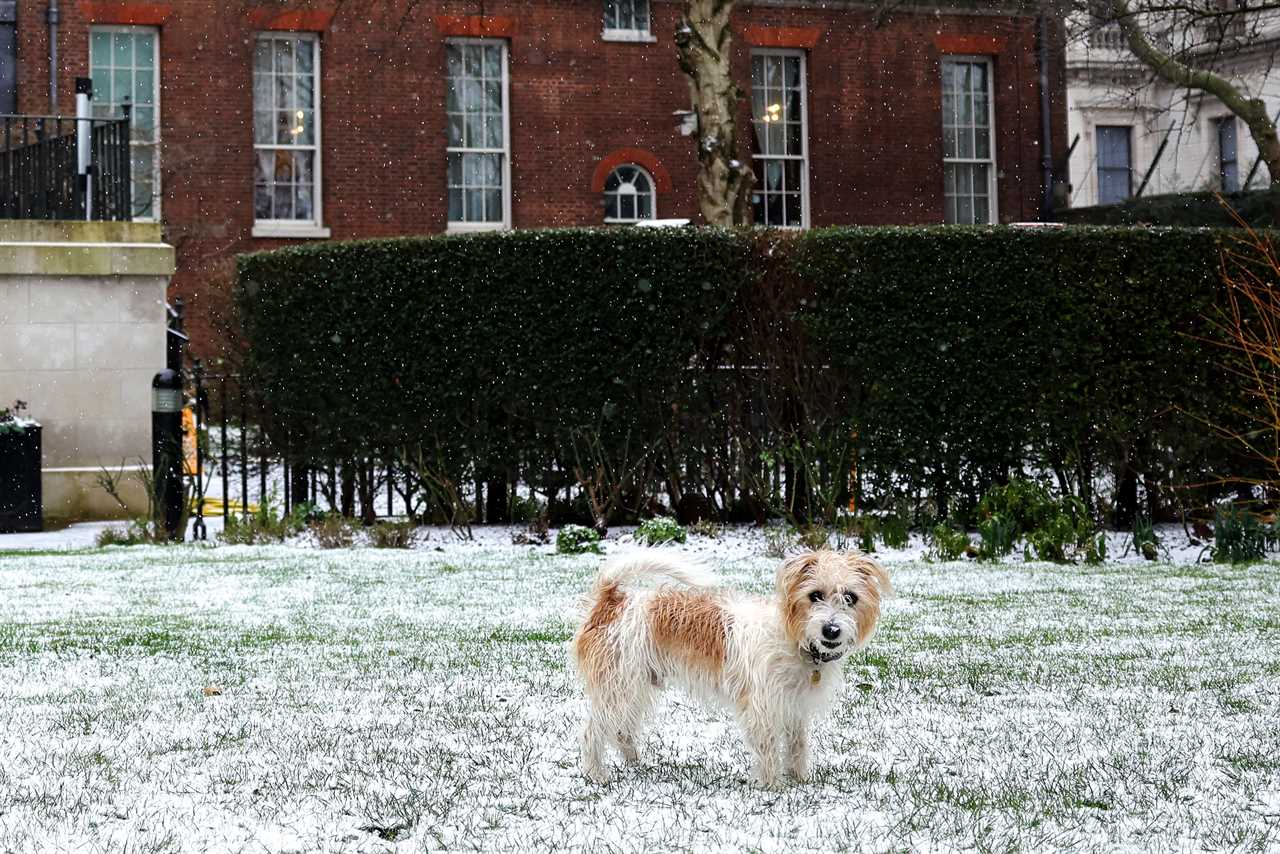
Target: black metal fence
(238, 463)
(39, 168)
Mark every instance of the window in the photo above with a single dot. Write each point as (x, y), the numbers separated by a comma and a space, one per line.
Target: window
(779, 141)
(479, 165)
(286, 136)
(1228, 159)
(629, 195)
(627, 20)
(968, 156)
(1115, 169)
(124, 63)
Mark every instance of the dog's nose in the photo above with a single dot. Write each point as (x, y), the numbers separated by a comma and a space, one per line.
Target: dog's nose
(830, 631)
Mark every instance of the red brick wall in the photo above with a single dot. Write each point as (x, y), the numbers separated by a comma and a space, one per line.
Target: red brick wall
(874, 113)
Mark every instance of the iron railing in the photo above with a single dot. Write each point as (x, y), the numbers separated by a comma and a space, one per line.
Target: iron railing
(39, 168)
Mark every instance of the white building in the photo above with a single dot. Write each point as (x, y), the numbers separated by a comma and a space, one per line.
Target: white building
(1125, 122)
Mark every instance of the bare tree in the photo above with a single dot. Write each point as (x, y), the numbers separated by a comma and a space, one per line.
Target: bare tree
(703, 44)
(1210, 32)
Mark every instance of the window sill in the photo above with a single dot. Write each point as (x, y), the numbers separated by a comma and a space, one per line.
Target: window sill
(473, 227)
(635, 36)
(285, 231)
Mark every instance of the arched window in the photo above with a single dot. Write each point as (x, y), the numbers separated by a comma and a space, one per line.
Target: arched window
(629, 195)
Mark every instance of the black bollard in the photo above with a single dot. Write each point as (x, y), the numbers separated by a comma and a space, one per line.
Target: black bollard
(166, 451)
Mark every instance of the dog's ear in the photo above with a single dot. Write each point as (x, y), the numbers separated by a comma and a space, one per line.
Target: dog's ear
(872, 571)
(793, 606)
(795, 571)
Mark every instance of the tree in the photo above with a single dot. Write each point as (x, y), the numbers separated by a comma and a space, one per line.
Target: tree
(703, 45)
(1191, 64)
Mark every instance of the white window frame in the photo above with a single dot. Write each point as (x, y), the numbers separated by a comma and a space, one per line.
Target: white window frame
(804, 130)
(157, 195)
(1099, 168)
(993, 209)
(295, 228)
(653, 194)
(616, 34)
(1218, 123)
(453, 227)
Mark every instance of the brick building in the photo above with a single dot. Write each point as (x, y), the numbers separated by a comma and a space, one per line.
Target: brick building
(258, 122)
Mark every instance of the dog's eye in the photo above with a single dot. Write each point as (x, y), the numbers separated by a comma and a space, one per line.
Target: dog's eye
(851, 599)
(815, 596)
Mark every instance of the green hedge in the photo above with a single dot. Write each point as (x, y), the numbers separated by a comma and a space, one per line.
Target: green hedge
(482, 352)
(1257, 208)
(978, 351)
(752, 366)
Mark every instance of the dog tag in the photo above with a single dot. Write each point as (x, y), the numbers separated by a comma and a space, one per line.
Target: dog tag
(815, 677)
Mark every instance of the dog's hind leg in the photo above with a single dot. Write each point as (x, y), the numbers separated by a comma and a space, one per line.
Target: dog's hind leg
(635, 698)
(595, 740)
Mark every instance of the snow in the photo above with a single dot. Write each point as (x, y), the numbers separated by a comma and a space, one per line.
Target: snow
(417, 700)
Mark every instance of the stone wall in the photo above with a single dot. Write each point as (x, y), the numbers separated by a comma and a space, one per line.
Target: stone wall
(82, 332)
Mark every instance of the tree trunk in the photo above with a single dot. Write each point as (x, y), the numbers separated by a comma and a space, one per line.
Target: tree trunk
(703, 43)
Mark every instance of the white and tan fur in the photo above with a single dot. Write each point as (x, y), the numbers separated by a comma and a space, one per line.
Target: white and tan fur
(765, 658)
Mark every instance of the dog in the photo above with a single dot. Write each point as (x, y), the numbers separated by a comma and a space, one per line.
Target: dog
(774, 661)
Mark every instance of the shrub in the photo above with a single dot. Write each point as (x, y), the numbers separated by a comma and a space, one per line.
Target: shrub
(708, 528)
(1255, 207)
(619, 361)
(947, 543)
(136, 533)
(1145, 540)
(524, 510)
(969, 353)
(1238, 536)
(578, 539)
(393, 535)
(813, 536)
(1065, 534)
(857, 530)
(895, 531)
(996, 536)
(538, 533)
(265, 524)
(777, 540)
(660, 529)
(333, 531)
(1055, 529)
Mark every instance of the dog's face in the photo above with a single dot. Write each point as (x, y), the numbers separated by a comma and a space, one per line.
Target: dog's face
(830, 602)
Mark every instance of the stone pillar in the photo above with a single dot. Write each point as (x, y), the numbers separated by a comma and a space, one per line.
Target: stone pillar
(82, 332)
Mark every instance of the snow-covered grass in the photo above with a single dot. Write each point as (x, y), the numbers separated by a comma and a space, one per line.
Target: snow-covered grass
(365, 700)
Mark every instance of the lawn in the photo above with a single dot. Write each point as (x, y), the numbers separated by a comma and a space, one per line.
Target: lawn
(288, 699)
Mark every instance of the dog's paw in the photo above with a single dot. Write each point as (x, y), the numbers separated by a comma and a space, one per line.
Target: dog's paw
(764, 778)
(598, 774)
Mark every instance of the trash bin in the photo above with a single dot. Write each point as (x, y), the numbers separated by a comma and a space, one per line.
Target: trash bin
(20, 497)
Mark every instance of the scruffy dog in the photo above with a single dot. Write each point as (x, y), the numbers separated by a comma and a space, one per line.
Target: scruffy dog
(774, 661)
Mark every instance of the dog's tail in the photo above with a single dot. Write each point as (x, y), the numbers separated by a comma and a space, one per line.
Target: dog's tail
(621, 570)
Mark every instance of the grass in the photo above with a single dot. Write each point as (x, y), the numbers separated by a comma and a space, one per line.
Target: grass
(419, 700)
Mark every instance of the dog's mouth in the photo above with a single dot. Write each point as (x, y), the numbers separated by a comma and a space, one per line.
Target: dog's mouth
(825, 656)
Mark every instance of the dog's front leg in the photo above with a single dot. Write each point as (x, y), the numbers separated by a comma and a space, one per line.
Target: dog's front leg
(762, 739)
(798, 750)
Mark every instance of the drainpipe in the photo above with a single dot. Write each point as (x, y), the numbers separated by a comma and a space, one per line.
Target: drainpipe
(1046, 128)
(53, 57)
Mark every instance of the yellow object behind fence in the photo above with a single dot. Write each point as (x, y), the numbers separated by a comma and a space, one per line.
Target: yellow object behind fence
(218, 507)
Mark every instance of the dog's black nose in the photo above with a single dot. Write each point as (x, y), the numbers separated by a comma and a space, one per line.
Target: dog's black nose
(830, 631)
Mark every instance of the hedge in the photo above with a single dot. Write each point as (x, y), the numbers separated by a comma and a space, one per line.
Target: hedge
(497, 351)
(1254, 208)
(754, 367)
